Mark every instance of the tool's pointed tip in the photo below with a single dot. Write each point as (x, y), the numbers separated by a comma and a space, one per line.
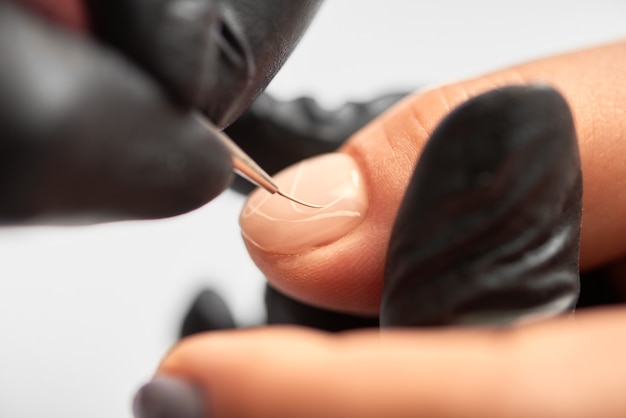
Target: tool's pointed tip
(301, 202)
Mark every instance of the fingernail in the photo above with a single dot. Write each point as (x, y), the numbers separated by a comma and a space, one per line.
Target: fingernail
(278, 225)
(169, 397)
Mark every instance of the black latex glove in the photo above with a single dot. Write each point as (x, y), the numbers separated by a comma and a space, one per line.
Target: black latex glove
(215, 55)
(489, 228)
(87, 135)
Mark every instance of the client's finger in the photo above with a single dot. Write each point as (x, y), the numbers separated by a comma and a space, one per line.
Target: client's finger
(335, 257)
(560, 368)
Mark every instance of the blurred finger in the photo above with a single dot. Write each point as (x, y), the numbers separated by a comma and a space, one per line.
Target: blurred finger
(559, 369)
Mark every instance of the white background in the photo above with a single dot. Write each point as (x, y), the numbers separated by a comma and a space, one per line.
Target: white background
(86, 313)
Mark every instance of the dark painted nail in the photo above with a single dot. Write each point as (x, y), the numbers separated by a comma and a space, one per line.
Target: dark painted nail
(169, 397)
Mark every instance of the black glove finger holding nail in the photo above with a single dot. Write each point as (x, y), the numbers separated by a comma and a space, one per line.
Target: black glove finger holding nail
(488, 232)
(95, 129)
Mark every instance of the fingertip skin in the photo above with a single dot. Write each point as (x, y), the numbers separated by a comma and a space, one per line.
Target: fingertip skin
(489, 229)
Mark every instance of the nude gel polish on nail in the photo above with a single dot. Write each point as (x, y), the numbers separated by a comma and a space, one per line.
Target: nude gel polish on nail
(169, 397)
(277, 225)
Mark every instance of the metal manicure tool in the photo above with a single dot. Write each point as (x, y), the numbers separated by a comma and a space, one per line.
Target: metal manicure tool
(247, 168)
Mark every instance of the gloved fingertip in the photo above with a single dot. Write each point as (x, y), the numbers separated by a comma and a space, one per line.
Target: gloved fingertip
(174, 174)
(214, 162)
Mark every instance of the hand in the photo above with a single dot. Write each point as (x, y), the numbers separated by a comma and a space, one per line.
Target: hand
(103, 130)
(561, 367)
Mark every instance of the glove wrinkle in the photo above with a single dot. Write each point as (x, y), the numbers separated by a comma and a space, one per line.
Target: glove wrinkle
(489, 229)
(174, 40)
(234, 66)
(214, 55)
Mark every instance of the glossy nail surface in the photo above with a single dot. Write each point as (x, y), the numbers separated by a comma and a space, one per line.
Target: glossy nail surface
(169, 397)
(277, 225)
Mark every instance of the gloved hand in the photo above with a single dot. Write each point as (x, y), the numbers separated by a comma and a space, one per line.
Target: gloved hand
(103, 130)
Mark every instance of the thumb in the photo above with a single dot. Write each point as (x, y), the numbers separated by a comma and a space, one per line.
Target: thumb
(335, 257)
(559, 368)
